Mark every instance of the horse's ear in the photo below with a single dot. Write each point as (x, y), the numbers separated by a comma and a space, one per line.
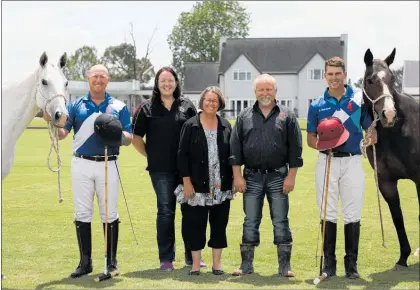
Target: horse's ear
(43, 60)
(368, 58)
(390, 58)
(63, 60)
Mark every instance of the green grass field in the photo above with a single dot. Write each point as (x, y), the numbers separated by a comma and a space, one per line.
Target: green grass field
(39, 247)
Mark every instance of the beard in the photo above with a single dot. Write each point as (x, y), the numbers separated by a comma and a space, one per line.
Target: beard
(265, 100)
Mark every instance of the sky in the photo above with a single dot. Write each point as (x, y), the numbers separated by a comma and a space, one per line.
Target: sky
(29, 28)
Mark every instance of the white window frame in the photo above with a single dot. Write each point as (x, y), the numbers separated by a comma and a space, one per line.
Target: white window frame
(308, 104)
(238, 71)
(286, 101)
(310, 74)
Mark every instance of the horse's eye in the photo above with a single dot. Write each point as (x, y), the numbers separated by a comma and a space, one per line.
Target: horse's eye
(67, 83)
(44, 82)
(369, 80)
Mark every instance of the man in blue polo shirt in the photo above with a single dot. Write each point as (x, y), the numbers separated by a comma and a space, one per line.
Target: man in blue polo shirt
(347, 179)
(88, 169)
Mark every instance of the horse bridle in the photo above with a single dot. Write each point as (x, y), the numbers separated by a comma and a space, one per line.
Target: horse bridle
(375, 114)
(49, 100)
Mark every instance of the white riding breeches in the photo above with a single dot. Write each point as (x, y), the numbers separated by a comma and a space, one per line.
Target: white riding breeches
(88, 177)
(346, 180)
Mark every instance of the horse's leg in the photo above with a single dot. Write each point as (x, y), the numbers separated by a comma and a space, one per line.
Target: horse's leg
(390, 193)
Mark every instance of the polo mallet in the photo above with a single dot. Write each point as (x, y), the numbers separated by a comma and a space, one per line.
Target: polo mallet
(106, 275)
(323, 276)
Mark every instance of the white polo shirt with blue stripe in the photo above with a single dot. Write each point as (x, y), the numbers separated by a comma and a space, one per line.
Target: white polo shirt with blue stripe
(82, 115)
(350, 110)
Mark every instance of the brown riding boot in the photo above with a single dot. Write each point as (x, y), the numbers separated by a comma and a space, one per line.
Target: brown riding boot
(284, 253)
(247, 255)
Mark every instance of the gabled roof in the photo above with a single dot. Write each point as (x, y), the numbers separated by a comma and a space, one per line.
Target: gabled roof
(279, 55)
(199, 76)
(411, 74)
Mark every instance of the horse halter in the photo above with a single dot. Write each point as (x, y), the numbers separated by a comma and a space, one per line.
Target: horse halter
(49, 100)
(377, 99)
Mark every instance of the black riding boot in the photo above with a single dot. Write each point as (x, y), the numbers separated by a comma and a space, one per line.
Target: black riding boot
(351, 235)
(84, 239)
(112, 245)
(330, 261)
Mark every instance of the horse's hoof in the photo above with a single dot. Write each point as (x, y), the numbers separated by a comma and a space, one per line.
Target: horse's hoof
(399, 267)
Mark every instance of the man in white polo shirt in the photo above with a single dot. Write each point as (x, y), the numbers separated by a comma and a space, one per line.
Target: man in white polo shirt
(87, 165)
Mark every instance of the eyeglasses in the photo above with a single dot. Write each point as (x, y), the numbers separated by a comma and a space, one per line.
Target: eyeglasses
(211, 101)
(167, 82)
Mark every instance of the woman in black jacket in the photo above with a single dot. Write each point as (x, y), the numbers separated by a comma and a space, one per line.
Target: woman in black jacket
(203, 163)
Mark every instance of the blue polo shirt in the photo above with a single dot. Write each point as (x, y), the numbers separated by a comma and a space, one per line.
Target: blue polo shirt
(350, 110)
(82, 115)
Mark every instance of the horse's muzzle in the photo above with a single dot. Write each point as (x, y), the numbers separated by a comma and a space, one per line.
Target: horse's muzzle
(388, 118)
(60, 119)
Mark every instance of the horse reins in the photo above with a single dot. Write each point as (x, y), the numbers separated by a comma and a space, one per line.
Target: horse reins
(363, 148)
(54, 141)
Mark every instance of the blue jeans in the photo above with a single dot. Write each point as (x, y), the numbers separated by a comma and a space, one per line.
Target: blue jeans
(164, 185)
(257, 186)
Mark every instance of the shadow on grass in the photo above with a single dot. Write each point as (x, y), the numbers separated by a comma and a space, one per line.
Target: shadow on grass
(207, 277)
(338, 282)
(387, 279)
(87, 281)
(391, 278)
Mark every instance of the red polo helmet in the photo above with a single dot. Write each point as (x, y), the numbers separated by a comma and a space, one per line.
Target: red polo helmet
(331, 133)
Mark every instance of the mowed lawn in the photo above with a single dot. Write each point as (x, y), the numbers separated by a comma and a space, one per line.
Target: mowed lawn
(39, 246)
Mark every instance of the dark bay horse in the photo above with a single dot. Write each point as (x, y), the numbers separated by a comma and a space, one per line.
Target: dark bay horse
(398, 147)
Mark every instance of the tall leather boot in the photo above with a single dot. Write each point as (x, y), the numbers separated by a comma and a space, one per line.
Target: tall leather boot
(112, 246)
(247, 255)
(84, 239)
(330, 261)
(351, 235)
(284, 253)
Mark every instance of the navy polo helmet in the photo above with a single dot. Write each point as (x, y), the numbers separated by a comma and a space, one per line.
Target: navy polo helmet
(109, 129)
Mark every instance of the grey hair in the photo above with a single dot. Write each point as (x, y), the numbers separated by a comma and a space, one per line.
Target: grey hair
(265, 78)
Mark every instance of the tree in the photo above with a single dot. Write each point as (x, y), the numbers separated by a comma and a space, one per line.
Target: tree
(196, 36)
(122, 61)
(398, 74)
(80, 62)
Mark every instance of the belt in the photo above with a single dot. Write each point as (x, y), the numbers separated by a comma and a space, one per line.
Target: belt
(340, 154)
(96, 158)
(265, 171)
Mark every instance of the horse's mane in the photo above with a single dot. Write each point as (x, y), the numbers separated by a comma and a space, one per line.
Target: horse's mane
(21, 89)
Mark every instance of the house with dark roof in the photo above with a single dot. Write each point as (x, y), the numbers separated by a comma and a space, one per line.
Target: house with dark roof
(297, 64)
(411, 78)
(200, 76)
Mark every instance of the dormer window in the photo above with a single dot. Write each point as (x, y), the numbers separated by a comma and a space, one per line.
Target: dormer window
(241, 75)
(315, 74)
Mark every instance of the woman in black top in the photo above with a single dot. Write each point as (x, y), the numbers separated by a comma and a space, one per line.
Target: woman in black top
(160, 120)
(203, 163)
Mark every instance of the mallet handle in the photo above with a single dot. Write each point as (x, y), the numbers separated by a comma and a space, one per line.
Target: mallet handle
(325, 208)
(106, 208)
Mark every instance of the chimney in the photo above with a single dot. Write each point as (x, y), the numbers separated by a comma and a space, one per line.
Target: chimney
(222, 43)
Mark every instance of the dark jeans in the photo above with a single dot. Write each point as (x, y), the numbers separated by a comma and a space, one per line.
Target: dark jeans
(257, 186)
(195, 225)
(164, 185)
